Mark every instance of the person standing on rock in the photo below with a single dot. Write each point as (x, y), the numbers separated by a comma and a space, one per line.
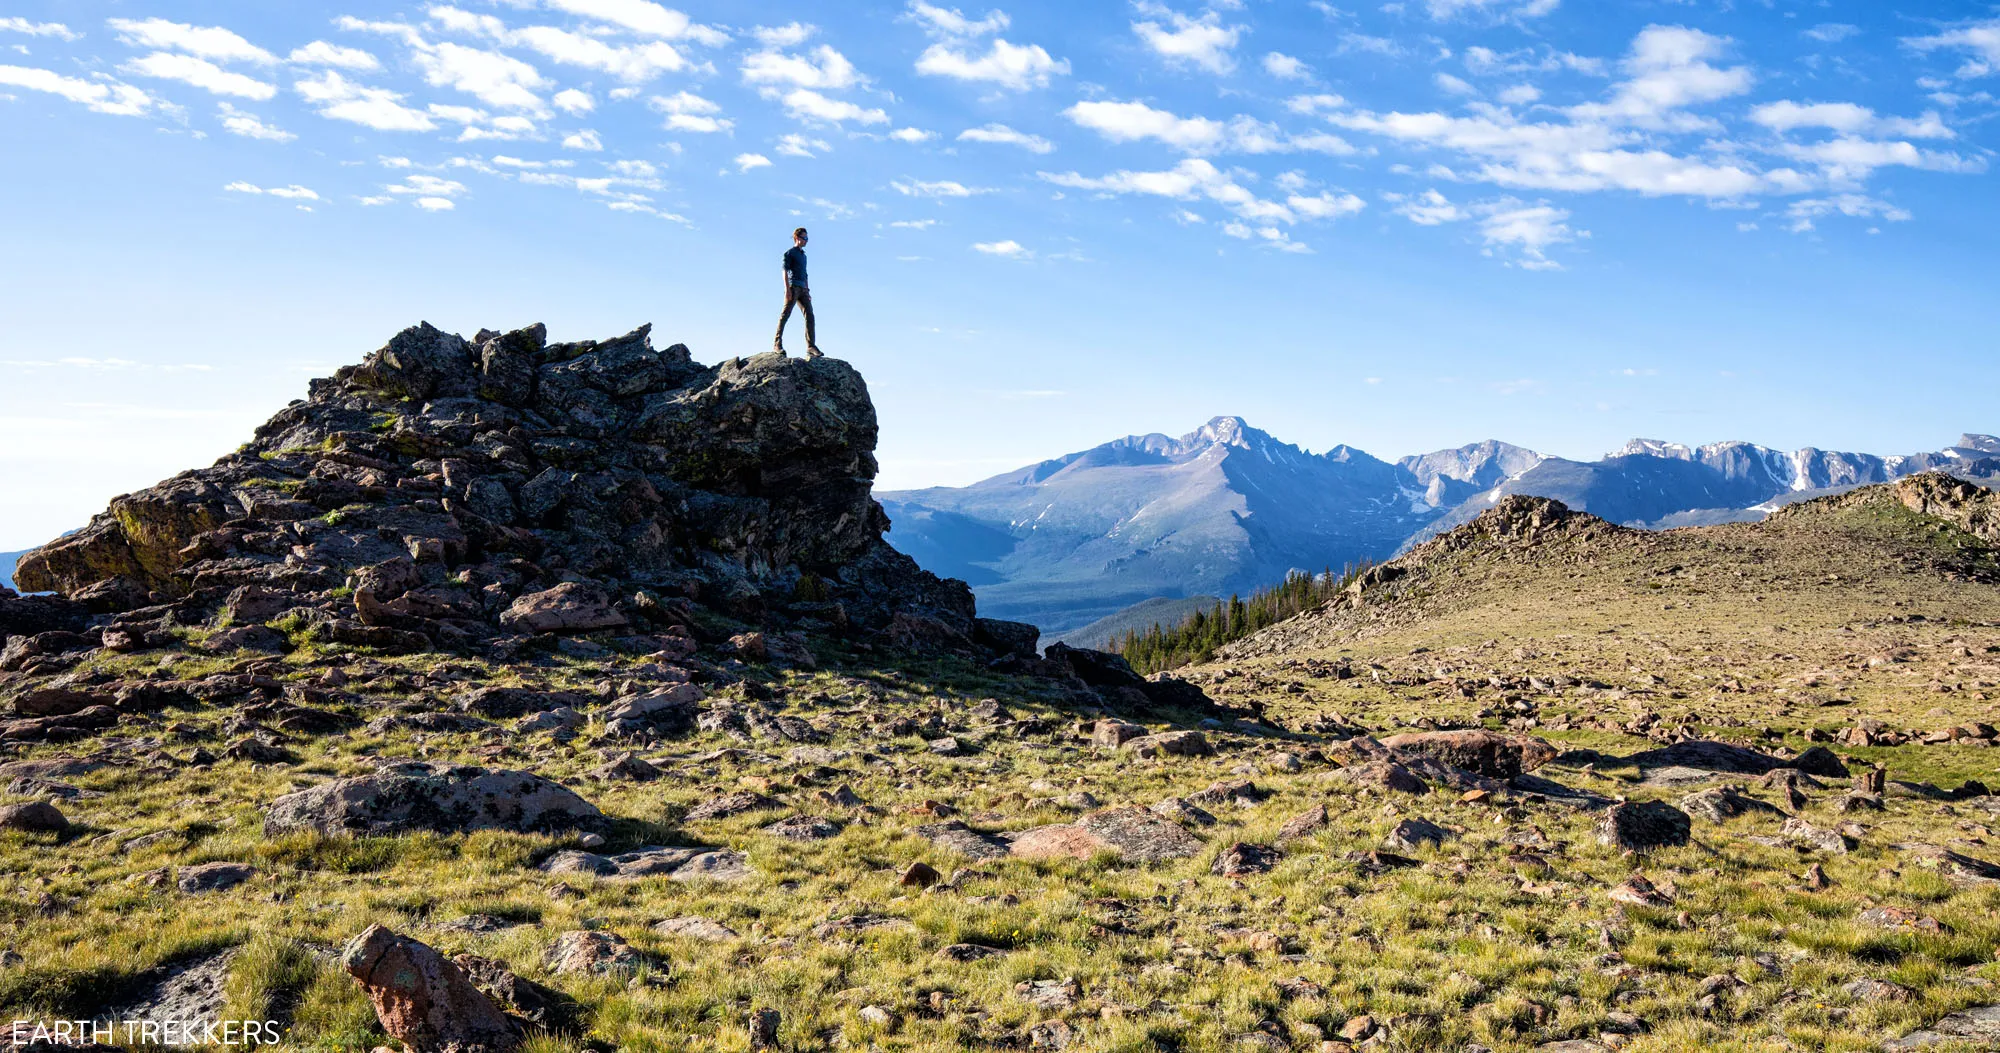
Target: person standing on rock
(796, 294)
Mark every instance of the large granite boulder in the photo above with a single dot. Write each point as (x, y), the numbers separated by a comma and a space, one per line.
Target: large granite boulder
(446, 798)
(425, 1000)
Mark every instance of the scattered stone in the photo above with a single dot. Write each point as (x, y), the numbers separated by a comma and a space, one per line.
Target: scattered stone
(946, 747)
(1637, 891)
(1182, 810)
(728, 867)
(1639, 826)
(804, 828)
(964, 840)
(446, 798)
(1412, 835)
(1136, 834)
(1051, 995)
(422, 999)
(969, 952)
(728, 805)
(1870, 990)
(1241, 859)
(572, 607)
(763, 1028)
(1382, 775)
(582, 952)
(38, 817)
(919, 875)
(1806, 835)
(627, 767)
(706, 930)
(1979, 1026)
(1723, 803)
(1111, 734)
(1304, 824)
(1487, 753)
(1170, 744)
(1957, 868)
(1898, 919)
(213, 877)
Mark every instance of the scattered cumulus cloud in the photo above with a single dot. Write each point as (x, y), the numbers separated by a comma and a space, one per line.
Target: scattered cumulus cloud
(200, 73)
(746, 162)
(1133, 121)
(293, 192)
(250, 126)
(688, 112)
(1204, 43)
(1285, 67)
(583, 140)
(941, 188)
(573, 102)
(321, 53)
(912, 135)
(209, 42)
(102, 95)
(1978, 41)
(807, 105)
(38, 29)
(1009, 249)
(1000, 133)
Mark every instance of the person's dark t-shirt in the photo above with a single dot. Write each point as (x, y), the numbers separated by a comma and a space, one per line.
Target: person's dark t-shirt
(795, 265)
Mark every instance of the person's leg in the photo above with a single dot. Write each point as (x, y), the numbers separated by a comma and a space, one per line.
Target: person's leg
(778, 342)
(806, 304)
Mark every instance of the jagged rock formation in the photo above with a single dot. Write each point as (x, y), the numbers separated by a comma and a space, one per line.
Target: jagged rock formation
(453, 492)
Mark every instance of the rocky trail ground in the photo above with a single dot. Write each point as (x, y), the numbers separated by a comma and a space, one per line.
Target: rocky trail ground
(367, 732)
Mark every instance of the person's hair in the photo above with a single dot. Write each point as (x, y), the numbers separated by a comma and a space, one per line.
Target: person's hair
(799, 233)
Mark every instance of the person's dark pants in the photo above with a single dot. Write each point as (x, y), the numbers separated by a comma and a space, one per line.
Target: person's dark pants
(799, 296)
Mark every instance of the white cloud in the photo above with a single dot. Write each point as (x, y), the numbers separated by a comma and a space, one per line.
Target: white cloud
(1846, 118)
(1668, 69)
(1012, 66)
(583, 140)
(941, 188)
(1832, 32)
(790, 35)
(1802, 213)
(418, 184)
(573, 102)
(914, 224)
(1980, 40)
(102, 96)
(289, 193)
(1486, 62)
(1191, 179)
(912, 135)
(1325, 205)
(1268, 236)
(1000, 133)
(321, 53)
(201, 73)
(337, 98)
(1010, 249)
(826, 69)
(1454, 85)
(489, 76)
(1519, 94)
(951, 22)
(1848, 160)
(209, 42)
(39, 29)
(644, 18)
(1132, 121)
(435, 204)
(1442, 9)
(807, 105)
(1310, 105)
(746, 162)
(1204, 42)
(634, 64)
(688, 112)
(800, 146)
(250, 126)
(1428, 209)
(1285, 67)
(1523, 233)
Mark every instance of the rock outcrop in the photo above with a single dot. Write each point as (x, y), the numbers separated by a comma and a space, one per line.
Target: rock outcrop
(450, 493)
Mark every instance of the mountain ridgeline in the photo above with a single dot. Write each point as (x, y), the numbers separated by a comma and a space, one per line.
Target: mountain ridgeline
(1229, 509)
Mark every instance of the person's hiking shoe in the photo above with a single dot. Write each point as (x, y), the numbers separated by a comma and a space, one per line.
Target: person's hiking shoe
(814, 352)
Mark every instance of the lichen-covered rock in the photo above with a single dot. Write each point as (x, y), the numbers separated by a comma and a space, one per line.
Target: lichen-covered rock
(425, 1000)
(447, 798)
(449, 492)
(1637, 826)
(1486, 753)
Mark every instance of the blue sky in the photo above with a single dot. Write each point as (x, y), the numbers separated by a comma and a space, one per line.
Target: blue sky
(1401, 226)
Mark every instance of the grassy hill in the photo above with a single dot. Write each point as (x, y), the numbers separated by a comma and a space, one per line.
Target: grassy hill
(1313, 904)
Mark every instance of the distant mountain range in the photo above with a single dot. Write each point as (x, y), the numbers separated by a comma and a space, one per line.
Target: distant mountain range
(1228, 508)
